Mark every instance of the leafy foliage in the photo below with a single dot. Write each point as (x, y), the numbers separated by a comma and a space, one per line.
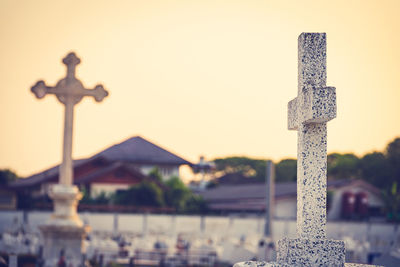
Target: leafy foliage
(392, 201)
(393, 156)
(171, 193)
(375, 169)
(100, 199)
(155, 174)
(196, 205)
(286, 170)
(7, 176)
(146, 194)
(343, 166)
(177, 194)
(253, 168)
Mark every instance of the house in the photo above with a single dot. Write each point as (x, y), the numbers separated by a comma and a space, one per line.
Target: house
(115, 168)
(250, 198)
(8, 199)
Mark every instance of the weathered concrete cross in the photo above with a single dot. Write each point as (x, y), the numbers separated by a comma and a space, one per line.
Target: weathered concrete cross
(69, 91)
(308, 113)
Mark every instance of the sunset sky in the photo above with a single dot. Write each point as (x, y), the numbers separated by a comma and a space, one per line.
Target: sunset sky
(208, 78)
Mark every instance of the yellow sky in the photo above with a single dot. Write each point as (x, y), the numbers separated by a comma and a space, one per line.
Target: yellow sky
(206, 78)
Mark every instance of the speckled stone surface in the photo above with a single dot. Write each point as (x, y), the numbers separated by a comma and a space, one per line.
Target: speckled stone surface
(311, 252)
(360, 265)
(259, 264)
(308, 113)
(275, 264)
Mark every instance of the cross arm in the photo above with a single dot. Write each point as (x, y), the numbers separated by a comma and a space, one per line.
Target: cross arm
(319, 105)
(40, 89)
(293, 114)
(314, 105)
(99, 93)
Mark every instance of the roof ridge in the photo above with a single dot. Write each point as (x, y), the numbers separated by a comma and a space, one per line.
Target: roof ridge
(138, 148)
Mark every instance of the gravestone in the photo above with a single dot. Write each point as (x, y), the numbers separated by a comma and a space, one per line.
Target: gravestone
(269, 197)
(309, 113)
(266, 246)
(13, 260)
(145, 228)
(65, 231)
(115, 225)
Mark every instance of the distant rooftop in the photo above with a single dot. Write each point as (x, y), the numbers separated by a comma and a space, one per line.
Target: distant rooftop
(43, 176)
(139, 150)
(282, 190)
(248, 191)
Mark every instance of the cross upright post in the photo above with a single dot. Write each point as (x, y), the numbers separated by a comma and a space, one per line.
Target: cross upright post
(69, 92)
(308, 113)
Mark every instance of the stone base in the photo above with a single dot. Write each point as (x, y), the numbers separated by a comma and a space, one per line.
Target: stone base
(68, 239)
(275, 264)
(306, 252)
(65, 200)
(65, 230)
(311, 252)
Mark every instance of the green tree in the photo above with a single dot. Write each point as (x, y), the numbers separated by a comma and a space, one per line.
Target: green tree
(101, 199)
(196, 205)
(392, 201)
(86, 199)
(376, 169)
(253, 168)
(286, 170)
(155, 174)
(7, 176)
(393, 156)
(343, 166)
(146, 194)
(177, 193)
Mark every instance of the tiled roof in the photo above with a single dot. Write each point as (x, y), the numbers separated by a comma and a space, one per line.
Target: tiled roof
(248, 191)
(43, 176)
(139, 150)
(112, 167)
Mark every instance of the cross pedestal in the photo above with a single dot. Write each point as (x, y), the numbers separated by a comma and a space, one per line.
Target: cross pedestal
(308, 113)
(64, 232)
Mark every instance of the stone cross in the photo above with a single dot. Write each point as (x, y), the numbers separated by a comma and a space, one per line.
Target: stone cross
(69, 92)
(308, 113)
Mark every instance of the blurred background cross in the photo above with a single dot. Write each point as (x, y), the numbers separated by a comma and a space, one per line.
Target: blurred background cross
(69, 91)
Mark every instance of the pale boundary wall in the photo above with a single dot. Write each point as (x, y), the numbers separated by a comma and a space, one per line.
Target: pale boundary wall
(218, 225)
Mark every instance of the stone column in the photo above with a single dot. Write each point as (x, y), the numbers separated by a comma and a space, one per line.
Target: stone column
(308, 113)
